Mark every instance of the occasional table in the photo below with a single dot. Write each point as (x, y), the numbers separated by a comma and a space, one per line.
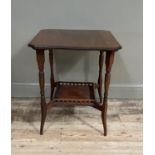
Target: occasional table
(75, 93)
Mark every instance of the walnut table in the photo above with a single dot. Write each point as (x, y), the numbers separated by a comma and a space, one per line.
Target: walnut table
(75, 93)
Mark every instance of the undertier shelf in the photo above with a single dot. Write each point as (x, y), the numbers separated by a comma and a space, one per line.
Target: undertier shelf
(74, 92)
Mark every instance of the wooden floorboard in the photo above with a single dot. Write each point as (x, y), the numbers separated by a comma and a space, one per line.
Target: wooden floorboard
(77, 130)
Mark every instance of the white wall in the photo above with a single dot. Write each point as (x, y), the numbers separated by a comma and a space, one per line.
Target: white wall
(122, 17)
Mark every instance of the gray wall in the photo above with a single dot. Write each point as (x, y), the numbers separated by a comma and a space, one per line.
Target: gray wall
(122, 17)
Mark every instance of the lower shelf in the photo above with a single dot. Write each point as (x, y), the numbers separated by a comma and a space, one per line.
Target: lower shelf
(74, 92)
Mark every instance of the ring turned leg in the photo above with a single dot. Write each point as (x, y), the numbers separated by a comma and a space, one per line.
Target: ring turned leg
(40, 60)
(108, 62)
(101, 59)
(52, 74)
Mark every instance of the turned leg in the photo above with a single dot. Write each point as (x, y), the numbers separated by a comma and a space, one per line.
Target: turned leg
(52, 74)
(40, 60)
(108, 62)
(101, 59)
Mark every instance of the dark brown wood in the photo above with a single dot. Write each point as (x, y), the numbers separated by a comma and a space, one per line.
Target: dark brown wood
(60, 103)
(78, 92)
(75, 93)
(52, 74)
(75, 39)
(108, 62)
(101, 59)
(40, 61)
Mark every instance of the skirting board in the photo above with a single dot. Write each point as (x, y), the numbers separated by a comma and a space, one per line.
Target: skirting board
(116, 91)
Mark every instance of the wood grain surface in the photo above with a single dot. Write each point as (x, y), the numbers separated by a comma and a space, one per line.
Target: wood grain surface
(77, 130)
(75, 39)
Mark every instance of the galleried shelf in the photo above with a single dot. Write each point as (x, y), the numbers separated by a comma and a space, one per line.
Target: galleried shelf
(75, 93)
(81, 93)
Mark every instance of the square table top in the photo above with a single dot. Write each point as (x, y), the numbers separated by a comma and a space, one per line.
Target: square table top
(75, 39)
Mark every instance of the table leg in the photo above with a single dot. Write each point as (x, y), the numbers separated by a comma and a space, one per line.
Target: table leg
(40, 60)
(108, 62)
(101, 59)
(52, 74)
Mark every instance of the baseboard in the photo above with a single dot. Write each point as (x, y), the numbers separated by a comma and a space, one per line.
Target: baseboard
(118, 91)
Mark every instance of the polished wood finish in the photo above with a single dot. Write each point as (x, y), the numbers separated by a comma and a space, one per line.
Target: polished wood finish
(75, 93)
(40, 60)
(108, 63)
(52, 74)
(101, 59)
(75, 39)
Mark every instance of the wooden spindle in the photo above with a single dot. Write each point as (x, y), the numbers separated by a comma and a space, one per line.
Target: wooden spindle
(52, 73)
(108, 62)
(101, 59)
(40, 60)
